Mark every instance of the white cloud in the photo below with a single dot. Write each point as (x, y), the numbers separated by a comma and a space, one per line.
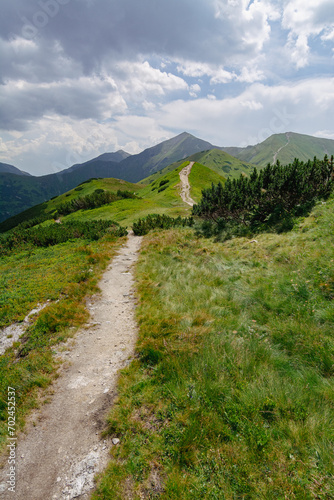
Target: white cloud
(305, 20)
(256, 113)
(327, 134)
(138, 80)
(194, 90)
(131, 73)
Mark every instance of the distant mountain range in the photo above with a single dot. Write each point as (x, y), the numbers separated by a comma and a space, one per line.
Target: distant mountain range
(6, 168)
(20, 190)
(285, 148)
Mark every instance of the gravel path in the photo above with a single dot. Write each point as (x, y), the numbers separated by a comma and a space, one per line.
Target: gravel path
(282, 147)
(185, 186)
(61, 452)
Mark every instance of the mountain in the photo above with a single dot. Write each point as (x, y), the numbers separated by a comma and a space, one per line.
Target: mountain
(6, 168)
(162, 196)
(136, 167)
(285, 148)
(105, 157)
(215, 159)
(19, 192)
(133, 168)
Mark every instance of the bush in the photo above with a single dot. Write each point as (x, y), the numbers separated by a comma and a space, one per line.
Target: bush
(274, 192)
(143, 226)
(163, 182)
(53, 234)
(95, 200)
(271, 198)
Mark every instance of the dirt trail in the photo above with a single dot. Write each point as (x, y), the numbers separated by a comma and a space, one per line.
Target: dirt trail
(58, 457)
(282, 147)
(185, 186)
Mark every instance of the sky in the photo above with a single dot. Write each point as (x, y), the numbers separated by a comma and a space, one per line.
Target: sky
(83, 77)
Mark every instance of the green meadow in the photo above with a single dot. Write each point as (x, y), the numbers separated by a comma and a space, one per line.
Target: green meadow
(231, 392)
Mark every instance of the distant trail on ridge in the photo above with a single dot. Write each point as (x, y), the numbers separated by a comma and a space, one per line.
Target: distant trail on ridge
(185, 186)
(282, 147)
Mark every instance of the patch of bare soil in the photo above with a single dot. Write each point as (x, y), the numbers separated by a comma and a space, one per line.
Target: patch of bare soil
(62, 450)
(185, 186)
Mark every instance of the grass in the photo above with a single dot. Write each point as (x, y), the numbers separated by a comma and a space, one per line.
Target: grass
(49, 208)
(300, 146)
(215, 160)
(64, 275)
(164, 199)
(200, 178)
(231, 393)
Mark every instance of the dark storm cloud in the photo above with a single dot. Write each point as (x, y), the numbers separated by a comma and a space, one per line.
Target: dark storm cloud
(88, 31)
(80, 100)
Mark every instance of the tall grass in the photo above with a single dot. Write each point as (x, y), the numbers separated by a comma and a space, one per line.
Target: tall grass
(231, 393)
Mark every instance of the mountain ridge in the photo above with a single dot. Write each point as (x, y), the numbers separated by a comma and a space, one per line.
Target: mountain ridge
(19, 191)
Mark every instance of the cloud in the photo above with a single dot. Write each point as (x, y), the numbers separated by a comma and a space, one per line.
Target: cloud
(132, 73)
(194, 90)
(87, 97)
(255, 114)
(306, 20)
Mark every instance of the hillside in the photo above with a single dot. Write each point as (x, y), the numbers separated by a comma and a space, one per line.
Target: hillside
(215, 160)
(6, 168)
(154, 198)
(19, 192)
(230, 385)
(285, 148)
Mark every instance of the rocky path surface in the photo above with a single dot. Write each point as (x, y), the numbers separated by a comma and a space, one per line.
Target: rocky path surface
(185, 186)
(62, 449)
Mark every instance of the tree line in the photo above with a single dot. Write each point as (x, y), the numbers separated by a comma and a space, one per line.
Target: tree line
(277, 191)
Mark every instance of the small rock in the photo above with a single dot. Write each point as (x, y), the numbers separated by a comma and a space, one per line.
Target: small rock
(115, 441)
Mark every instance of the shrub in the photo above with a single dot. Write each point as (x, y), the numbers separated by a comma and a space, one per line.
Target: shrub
(143, 226)
(53, 234)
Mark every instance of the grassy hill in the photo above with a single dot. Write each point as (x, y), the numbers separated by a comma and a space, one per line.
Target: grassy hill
(288, 146)
(161, 196)
(231, 389)
(154, 198)
(216, 160)
(50, 207)
(20, 192)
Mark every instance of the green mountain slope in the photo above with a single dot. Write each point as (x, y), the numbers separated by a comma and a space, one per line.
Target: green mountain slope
(285, 148)
(51, 206)
(216, 160)
(18, 193)
(161, 196)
